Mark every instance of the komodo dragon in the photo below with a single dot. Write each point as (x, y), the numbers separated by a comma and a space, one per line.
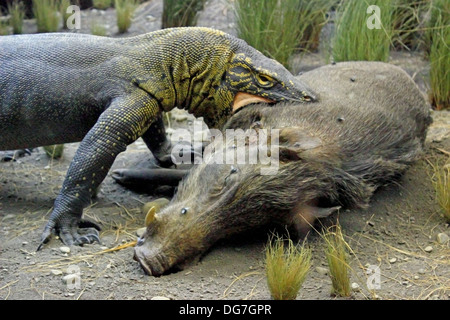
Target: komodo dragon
(106, 93)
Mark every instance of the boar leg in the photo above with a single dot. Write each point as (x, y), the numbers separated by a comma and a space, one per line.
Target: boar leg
(144, 177)
(304, 215)
(7, 156)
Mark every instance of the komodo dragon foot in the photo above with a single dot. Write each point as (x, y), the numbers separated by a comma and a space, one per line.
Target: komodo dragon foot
(72, 231)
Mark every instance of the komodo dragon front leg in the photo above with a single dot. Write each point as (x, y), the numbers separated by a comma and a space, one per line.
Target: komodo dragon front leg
(124, 121)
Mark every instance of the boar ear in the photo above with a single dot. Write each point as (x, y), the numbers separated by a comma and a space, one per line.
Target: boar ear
(150, 216)
(293, 141)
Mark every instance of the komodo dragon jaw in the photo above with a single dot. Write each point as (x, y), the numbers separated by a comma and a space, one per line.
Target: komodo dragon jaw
(260, 79)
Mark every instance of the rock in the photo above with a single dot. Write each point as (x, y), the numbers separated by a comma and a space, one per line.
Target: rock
(393, 260)
(442, 238)
(322, 271)
(140, 231)
(428, 249)
(355, 286)
(422, 271)
(160, 298)
(56, 272)
(64, 249)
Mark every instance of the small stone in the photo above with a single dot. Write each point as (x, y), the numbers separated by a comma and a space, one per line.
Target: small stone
(140, 232)
(24, 243)
(442, 238)
(322, 271)
(393, 260)
(355, 286)
(64, 249)
(56, 272)
(428, 249)
(371, 223)
(422, 271)
(160, 298)
(104, 248)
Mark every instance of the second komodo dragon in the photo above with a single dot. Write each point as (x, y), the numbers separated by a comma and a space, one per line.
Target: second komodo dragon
(62, 88)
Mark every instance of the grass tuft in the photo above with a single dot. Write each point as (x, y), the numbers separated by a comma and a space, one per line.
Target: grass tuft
(181, 13)
(98, 29)
(286, 268)
(54, 151)
(439, 38)
(102, 4)
(16, 12)
(353, 40)
(279, 29)
(336, 253)
(408, 21)
(124, 11)
(441, 182)
(47, 14)
(3, 24)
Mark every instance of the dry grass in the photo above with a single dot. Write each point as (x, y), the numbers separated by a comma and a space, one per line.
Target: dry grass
(286, 268)
(440, 177)
(337, 256)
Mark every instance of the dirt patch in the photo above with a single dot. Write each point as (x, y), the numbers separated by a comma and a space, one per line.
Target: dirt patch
(394, 234)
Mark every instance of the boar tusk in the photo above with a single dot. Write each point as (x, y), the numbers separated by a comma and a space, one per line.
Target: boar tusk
(150, 216)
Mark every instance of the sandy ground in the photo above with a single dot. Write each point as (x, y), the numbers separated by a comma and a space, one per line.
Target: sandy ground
(396, 235)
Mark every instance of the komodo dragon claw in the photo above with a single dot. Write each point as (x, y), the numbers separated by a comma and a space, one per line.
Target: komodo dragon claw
(70, 235)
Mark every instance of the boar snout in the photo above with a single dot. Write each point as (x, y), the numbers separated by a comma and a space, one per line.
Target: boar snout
(153, 263)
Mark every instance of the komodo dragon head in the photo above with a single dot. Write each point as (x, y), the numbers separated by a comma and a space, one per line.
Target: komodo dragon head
(250, 77)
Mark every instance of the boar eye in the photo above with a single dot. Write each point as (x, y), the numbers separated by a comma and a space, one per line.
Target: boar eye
(184, 211)
(232, 171)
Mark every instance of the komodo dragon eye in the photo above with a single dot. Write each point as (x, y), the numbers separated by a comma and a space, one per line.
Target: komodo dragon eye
(264, 80)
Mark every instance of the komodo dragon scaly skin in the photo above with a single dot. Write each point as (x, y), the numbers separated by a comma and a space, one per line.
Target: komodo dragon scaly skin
(62, 88)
